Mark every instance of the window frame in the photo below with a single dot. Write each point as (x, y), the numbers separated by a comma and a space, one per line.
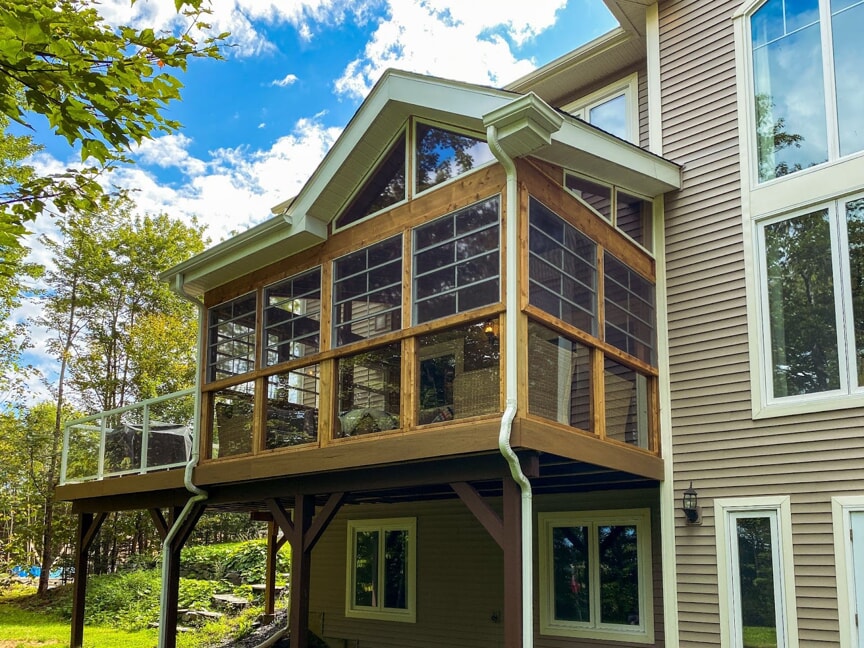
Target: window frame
(849, 394)
(628, 87)
(409, 526)
(726, 510)
(641, 519)
(842, 508)
(747, 98)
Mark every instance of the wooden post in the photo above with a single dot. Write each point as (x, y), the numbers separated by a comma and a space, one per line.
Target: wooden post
(270, 572)
(512, 510)
(88, 527)
(169, 632)
(301, 559)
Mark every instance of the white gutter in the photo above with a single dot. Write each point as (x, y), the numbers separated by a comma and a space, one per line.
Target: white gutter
(198, 495)
(511, 235)
(521, 127)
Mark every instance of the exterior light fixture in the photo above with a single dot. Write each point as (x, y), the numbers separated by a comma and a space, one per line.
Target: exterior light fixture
(490, 329)
(689, 504)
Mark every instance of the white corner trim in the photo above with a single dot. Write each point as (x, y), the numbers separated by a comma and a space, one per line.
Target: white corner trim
(655, 103)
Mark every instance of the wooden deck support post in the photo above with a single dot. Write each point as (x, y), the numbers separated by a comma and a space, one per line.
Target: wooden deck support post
(88, 527)
(302, 534)
(169, 632)
(273, 546)
(512, 514)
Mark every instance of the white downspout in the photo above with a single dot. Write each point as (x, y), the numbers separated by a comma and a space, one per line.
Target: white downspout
(198, 495)
(511, 240)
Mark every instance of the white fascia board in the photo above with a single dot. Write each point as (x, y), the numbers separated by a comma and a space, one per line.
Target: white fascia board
(584, 148)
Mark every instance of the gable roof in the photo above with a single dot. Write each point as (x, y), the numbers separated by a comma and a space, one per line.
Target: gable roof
(302, 222)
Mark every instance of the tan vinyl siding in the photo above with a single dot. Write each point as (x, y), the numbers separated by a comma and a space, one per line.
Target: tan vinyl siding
(459, 576)
(716, 443)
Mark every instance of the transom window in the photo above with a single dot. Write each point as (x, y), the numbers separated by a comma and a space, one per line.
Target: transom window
(367, 292)
(231, 338)
(812, 299)
(457, 262)
(806, 83)
(631, 214)
(381, 569)
(595, 575)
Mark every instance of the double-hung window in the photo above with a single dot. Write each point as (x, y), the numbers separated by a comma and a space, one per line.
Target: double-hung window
(812, 302)
(806, 80)
(381, 567)
(595, 578)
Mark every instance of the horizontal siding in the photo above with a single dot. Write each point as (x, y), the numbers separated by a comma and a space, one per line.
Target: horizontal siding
(716, 443)
(459, 576)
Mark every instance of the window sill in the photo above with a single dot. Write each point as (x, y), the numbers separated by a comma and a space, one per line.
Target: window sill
(794, 405)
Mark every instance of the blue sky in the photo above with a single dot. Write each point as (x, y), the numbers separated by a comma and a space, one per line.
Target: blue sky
(256, 124)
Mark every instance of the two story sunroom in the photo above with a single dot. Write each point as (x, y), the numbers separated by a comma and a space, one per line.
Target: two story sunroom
(459, 250)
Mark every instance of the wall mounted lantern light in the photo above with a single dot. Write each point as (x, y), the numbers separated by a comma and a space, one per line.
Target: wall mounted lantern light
(689, 503)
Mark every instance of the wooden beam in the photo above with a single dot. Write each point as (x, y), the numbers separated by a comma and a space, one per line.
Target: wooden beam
(322, 520)
(280, 515)
(159, 522)
(512, 529)
(88, 526)
(481, 510)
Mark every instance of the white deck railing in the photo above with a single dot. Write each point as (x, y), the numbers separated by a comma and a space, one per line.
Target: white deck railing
(154, 434)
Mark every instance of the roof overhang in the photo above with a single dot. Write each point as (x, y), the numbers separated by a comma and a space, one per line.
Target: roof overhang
(302, 222)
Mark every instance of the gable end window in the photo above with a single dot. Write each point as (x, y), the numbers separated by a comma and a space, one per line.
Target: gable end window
(443, 154)
(380, 583)
(806, 82)
(382, 189)
(595, 575)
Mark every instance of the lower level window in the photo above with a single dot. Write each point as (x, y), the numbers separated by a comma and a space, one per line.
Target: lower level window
(595, 578)
(381, 567)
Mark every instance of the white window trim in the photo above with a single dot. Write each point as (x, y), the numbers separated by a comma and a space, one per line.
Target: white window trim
(841, 509)
(628, 87)
(765, 405)
(802, 191)
(641, 519)
(409, 614)
(779, 506)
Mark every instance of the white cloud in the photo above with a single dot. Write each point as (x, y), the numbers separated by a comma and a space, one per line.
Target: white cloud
(243, 19)
(287, 80)
(170, 151)
(452, 39)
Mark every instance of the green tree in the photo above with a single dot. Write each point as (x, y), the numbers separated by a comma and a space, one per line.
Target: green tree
(99, 304)
(101, 88)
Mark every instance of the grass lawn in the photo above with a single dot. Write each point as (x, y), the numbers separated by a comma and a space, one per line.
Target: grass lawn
(755, 637)
(28, 629)
(24, 628)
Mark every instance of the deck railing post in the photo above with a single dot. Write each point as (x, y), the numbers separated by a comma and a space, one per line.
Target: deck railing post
(145, 438)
